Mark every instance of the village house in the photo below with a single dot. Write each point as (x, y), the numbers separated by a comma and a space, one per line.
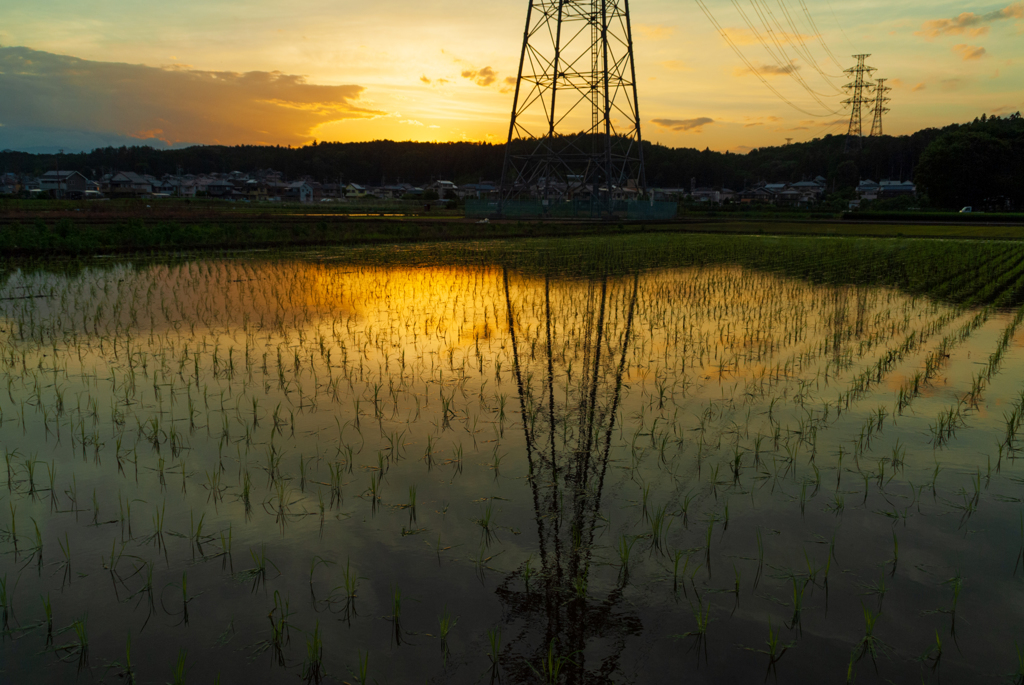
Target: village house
(63, 184)
(130, 183)
(354, 191)
(446, 190)
(299, 191)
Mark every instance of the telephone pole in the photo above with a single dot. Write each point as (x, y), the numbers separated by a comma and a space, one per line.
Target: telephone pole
(857, 99)
(880, 99)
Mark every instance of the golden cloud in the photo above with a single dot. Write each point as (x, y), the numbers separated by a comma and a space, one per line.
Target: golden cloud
(174, 104)
(481, 77)
(969, 52)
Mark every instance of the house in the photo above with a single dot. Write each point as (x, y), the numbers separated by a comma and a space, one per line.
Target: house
(867, 190)
(446, 190)
(726, 195)
(810, 191)
(333, 191)
(669, 194)
(299, 191)
(757, 196)
(130, 183)
(476, 191)
(254, 191)
(887, 188)
(64, 183)
(218, 188)
(9, 184)
(706, 195)
(789, 197)
(354, 191)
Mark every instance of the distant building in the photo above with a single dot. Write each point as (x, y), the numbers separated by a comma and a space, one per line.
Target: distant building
(887, 188)
(130, 183)
(63, 184)
(354, 191)
(300, 191)
(445, 189)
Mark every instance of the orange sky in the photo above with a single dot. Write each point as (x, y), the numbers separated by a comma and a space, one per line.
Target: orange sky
(209, 71)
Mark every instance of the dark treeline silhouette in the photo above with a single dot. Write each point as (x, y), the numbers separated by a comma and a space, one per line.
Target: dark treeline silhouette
(956, 165)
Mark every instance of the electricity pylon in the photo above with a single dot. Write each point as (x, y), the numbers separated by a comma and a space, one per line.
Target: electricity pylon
(857, 98)
(880, 99)
(575, 127)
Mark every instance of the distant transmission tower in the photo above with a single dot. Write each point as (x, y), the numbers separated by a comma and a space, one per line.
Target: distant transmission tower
(575, 128)
(857, 99)
(880, 99)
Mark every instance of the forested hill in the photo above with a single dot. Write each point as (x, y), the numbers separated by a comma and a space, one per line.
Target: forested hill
(961, 160)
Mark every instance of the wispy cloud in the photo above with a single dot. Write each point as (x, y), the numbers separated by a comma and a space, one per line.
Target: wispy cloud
(684, 125)
(47, 91)
(969, 52)
(969, 23)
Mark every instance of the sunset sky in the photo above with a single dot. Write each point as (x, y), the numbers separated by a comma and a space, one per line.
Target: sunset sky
(114, 72)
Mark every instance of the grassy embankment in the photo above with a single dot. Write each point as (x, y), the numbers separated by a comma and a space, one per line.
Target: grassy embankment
(32, 228)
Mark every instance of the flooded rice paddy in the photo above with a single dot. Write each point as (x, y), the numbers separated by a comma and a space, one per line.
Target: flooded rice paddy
(304, 469)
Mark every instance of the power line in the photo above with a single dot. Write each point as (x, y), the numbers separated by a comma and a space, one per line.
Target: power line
(817, 33)
(751, 67)
(803, 44)
(837, 22)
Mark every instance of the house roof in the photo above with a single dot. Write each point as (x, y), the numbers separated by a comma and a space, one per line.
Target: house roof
(52, 175)
(131, 177)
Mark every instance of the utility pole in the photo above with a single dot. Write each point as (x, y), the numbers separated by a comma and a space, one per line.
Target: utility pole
(880, 99)
(56, 163)
(857, 99)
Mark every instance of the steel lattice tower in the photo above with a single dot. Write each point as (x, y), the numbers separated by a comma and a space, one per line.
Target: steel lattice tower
(857, 99)
(575, 127)
(880, 99)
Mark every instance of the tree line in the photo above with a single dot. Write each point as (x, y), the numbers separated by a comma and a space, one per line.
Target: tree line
(978, 163)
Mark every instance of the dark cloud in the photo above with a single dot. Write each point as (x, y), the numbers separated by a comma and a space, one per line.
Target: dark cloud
(43, 91)
(685, 125)
(775, 70)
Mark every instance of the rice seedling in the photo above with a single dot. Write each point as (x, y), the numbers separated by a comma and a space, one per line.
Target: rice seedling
(362, 674)
(313, 668)
(180, 668)
(775, 650)
(446, 622)
(48, 613)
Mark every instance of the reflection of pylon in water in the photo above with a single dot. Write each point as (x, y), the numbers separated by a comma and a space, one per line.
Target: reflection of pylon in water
(568, 439)
(857, 100)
